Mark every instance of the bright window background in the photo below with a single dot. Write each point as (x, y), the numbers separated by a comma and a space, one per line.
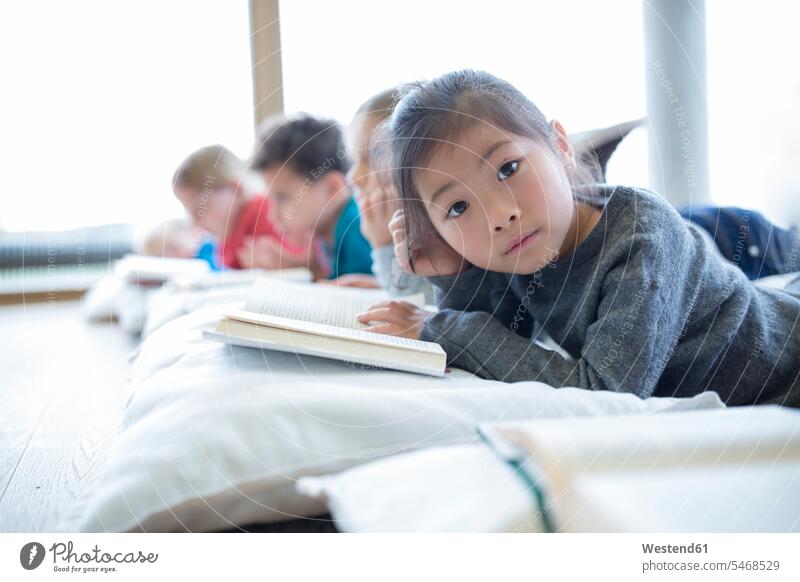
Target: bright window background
(102, 100)
(578, 61)
(754, 106)
(581, 62)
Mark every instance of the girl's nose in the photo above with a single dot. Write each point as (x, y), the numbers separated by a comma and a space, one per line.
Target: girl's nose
(505, 214)
(511, 219)
(505, 211)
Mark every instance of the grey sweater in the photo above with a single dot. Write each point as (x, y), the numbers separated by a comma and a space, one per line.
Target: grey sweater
(641, 306)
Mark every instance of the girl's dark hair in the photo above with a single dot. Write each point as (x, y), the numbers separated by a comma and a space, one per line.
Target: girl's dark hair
(436, 112)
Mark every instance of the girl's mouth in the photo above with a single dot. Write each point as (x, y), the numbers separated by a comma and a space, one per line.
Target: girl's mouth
(521, 241)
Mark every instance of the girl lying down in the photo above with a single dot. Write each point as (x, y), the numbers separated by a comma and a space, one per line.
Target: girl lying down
(500, 216)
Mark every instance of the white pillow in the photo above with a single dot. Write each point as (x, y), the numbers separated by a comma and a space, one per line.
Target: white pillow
(470, 488)
(733, 470)
(215, 435)
(460, 488)
(113, 297)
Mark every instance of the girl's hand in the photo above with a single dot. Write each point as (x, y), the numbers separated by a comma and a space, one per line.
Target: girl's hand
(353, 280)
(376, 208)
(438, 258)
(393, 317)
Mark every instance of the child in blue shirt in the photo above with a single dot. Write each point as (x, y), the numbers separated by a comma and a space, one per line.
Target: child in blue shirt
(304, 162)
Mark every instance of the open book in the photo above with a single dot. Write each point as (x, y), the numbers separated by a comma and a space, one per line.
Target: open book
(735, 469)
(320, 320)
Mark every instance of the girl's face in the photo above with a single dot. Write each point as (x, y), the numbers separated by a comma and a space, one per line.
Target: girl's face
(501, 201)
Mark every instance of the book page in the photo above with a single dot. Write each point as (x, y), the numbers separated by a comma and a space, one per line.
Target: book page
(323, 304)
(322, 329)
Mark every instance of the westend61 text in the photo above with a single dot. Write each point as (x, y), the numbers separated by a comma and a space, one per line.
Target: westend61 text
(671, 549)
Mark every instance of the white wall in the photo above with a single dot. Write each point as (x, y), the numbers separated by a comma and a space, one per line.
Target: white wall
(102, 100)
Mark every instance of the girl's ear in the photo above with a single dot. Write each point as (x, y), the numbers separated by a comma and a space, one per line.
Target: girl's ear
(564, 146)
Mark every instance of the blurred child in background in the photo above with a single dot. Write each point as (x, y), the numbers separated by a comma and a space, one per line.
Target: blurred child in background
(303, 161)
(171, 238)
(376, 197)
(177, 238)
(218, 192)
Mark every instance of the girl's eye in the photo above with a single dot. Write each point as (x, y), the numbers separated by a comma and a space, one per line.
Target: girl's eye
(507, 170)
(457, 209)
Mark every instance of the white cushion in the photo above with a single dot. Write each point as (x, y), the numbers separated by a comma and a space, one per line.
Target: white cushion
(732, 470)
(112, 297)
(471, 488)
(460, 488)
(215, 435)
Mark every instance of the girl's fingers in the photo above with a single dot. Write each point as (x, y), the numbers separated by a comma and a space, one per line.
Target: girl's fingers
(400, 247)
(393, 311)
(399, 238)
(384, 314)
(394, 304)
(385, 328)
(398, 231)
(398, 220)
(401, 252)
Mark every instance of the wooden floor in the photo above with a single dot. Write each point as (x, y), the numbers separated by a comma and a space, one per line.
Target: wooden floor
(61, 403)
(61, 387)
